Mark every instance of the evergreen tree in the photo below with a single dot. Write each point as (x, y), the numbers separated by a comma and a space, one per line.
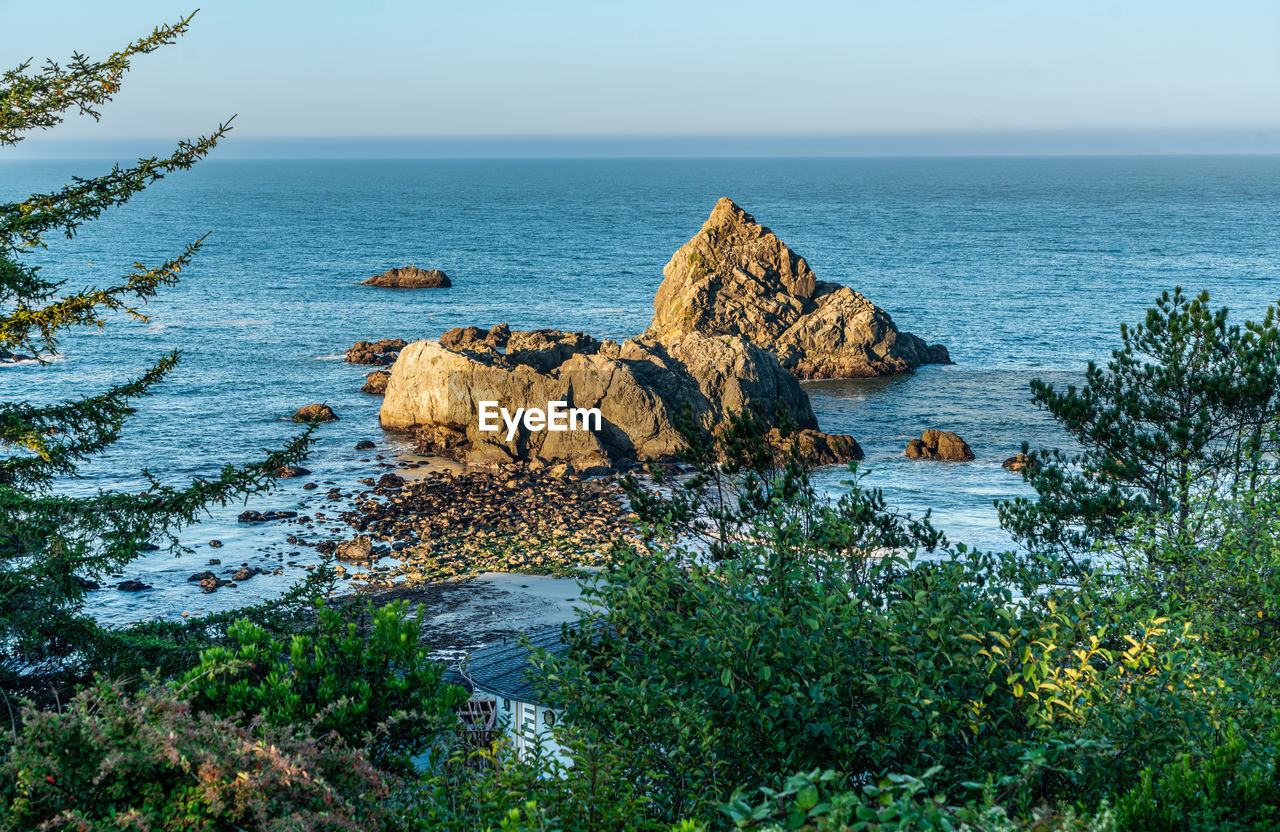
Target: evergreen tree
(1184, 415)
(50, 543)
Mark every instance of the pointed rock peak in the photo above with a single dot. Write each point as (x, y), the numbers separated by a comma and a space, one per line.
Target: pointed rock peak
(727, 212)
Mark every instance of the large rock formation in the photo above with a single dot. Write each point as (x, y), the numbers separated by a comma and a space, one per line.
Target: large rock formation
(639, 387)
(410, 277)
(735, 277)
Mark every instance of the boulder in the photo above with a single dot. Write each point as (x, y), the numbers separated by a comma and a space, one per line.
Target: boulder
(816, 447)
(735, 277)
(410, 277)
(639, 387)
(1017, 462)
(315, 413)
(290, 471)
(358, 549)
(939, 444)
(378, 353)
(375, 383)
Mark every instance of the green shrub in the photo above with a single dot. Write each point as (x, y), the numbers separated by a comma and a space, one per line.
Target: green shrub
(810, 646)
(1229, 788)
(493, 789)
(372, 685)
(151, 762)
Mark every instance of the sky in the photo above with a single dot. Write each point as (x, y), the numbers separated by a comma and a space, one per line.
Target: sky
(393, 77)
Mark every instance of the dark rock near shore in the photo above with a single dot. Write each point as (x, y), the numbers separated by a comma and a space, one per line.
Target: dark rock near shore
(86, 584)
(132, 586)
(391, 481)
(375, 384)
(315, 413)
(215, 544)
(365, 445)
(939, 444)
(290, 471)
(252, 516)
(735, 277)
(410, 277)
(7, 357)
(378, 353)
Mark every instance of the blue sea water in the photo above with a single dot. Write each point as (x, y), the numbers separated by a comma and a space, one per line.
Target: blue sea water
(1023, 267)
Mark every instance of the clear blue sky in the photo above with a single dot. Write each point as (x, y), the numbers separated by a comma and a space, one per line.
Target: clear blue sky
(953, 71)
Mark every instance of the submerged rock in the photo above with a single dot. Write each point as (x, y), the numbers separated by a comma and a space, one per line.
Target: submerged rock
(410, 277)
(939, 444)
(735, 277)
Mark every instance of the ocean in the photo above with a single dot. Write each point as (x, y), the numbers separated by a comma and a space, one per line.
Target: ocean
(1022, 267)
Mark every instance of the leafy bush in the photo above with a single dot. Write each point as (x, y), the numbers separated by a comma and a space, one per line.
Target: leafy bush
(373, 685)
(493, 789)
(1228, 788)
(800, 651)
(151, 762)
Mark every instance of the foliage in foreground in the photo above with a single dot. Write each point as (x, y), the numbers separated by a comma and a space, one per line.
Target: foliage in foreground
(51, 544)
(802, 652)
(112, 761)
(367, 681)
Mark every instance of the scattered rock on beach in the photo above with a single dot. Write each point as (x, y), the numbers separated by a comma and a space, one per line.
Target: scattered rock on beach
(315, 413)
(939, 444)
(410, 277)
(735, 277)
(358, 549)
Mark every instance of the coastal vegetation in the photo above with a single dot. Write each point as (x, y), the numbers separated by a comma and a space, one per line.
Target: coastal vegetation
(760, 656)
(53, 547)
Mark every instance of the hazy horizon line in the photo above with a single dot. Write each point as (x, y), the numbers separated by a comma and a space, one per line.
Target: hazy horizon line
(1264, 140)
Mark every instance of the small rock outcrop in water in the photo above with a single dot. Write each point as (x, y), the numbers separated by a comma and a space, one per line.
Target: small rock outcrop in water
(1017, 463)
(378, 353)
(639, 387)
(315, 413)
(375, 384)
(939, 444)
(410, 277)
(735, 277)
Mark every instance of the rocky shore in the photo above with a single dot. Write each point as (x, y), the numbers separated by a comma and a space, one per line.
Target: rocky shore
(448, 524)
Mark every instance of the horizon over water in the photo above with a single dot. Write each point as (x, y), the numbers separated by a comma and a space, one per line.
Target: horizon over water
(1022, 266)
